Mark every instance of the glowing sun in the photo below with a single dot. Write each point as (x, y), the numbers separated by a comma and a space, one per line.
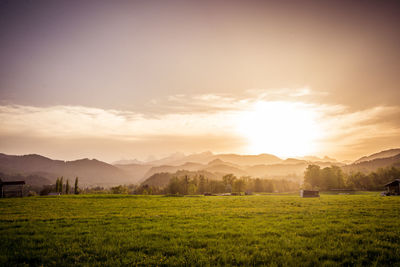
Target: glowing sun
(284, 129)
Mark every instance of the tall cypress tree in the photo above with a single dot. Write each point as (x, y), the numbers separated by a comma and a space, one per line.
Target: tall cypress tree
(76, 188)
(57, 184)
(67, 187)
(61, 184)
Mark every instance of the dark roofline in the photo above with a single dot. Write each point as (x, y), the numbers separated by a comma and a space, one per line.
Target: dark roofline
(12, 182)
(392, 182)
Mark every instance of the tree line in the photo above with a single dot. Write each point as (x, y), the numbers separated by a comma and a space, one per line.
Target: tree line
(61, 187)
(315, 178)
(200, 184)
(186, 185)
(334, 178)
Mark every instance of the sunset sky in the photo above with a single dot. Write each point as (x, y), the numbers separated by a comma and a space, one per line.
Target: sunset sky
(129, 79)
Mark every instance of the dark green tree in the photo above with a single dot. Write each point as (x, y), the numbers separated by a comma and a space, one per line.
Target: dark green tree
(201, 189)
(258, 185)
(339, 177)
(228, 182)
(61, 185)
(174, 186)
(239, 185)
(185, 185)
(76, 188)
(121, 189)
(57, 184)
(327, 179)
(67, 187)
(312, 177)
(228, 179)
(268, 186)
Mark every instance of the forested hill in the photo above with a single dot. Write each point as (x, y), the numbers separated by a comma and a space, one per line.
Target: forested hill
(372, 165)
(88, 171)
(380, 155)
(93, 172)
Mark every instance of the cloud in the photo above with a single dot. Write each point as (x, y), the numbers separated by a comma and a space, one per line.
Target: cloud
(354, 133)
(69, 132)
(179, 115)
(213, 103)
(205, 120)
(78, 121)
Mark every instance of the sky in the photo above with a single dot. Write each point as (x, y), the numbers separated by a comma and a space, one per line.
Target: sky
(132, 79)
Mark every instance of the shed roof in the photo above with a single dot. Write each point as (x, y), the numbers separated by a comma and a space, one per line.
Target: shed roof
(11, 182)
(394, 182)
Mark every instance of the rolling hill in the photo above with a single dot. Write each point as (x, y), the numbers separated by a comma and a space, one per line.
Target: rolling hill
(43, 170)
(136, 172)
(188, 166)
(177, 159)
(380, 155)
(89, 171)
(374, 164)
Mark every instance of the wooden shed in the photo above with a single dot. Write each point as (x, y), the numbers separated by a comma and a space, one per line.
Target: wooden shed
(309, 193)
(11, 188)
(393, 188)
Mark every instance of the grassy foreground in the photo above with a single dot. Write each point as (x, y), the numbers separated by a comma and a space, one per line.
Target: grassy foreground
(155, 230)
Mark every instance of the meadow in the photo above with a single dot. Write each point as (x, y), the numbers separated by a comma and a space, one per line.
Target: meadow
(275, 230)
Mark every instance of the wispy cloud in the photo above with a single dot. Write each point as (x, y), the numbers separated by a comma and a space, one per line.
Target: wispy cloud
(213, 103)
(81, 121)
(197, 116)
(362, 131)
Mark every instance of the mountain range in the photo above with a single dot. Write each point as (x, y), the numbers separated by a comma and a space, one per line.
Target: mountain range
(374, 163)
(88, 171)
(205, 157)
(91, 172)
(380, 155)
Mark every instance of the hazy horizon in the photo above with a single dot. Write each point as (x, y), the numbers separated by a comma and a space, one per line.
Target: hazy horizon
(179, 155)
(134, 79)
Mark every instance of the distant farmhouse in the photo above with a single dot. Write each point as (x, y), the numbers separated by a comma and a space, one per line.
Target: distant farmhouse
(309, 193)
(11, 188)
(393, 188)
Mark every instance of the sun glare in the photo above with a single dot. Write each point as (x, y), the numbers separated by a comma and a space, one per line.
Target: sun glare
(285, 129)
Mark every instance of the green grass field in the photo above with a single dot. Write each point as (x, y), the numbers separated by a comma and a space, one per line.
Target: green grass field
(277, 230)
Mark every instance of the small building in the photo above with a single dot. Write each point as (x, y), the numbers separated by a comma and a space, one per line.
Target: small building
(393, 188)
(11, 188)
(309, 193)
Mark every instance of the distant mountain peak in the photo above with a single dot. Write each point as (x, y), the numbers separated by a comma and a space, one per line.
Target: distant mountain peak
(317, 159)
(127, 162)
(216, 161)
(90, 171)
